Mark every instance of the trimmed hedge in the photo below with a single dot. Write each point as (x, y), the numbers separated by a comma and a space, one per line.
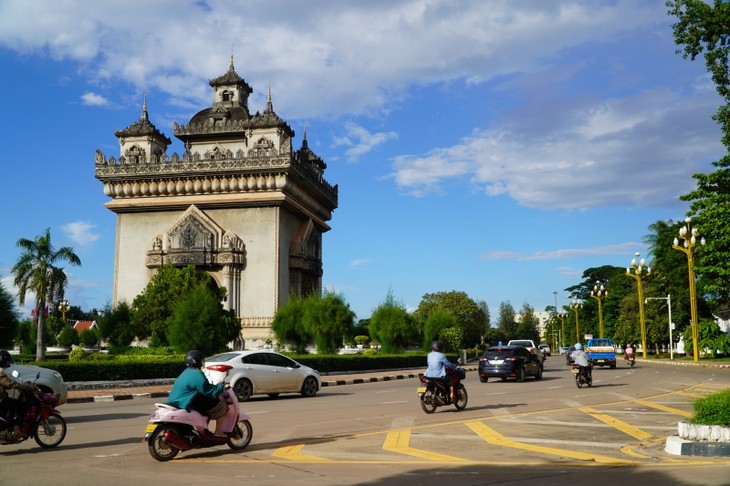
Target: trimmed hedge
(153, 367)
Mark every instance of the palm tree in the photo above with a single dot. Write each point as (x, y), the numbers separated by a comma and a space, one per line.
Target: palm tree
(36, 271)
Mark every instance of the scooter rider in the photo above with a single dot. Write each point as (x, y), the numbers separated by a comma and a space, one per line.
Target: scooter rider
(628, 352)
(12, 410)
(437, 365)
(580, 358)
(193, 391)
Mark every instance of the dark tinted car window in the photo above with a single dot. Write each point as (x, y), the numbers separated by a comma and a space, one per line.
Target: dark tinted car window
(256, 358)
(278, 360)
(499, 353)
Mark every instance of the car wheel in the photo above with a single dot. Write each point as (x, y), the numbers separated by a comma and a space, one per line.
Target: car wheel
(243, 389)
(521, 375)
(309, 387)
(538, 375)
(483, 379)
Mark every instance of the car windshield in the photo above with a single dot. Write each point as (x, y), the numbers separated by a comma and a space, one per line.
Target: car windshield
(526, 344)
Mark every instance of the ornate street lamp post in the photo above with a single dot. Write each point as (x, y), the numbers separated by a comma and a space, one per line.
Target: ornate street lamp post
(576, 306)
(689, 235)
(63, 307)
(637, 271)
(599, 293)
(562, 317)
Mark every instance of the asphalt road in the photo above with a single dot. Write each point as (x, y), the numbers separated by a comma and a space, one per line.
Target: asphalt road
(545, 431)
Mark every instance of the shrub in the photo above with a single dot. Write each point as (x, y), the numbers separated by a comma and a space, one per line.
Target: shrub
(713, 409)
(76, 355)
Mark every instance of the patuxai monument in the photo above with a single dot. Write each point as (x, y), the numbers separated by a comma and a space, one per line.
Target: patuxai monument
(239, 203)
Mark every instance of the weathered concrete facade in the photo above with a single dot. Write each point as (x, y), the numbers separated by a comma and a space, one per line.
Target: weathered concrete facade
(239, 204)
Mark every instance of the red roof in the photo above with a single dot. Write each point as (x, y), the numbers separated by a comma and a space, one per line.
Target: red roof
(84, 325)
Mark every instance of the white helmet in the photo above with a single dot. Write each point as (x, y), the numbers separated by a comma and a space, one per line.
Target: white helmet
(578, 346)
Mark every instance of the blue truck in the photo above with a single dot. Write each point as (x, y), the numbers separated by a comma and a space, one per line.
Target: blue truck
(601, 352)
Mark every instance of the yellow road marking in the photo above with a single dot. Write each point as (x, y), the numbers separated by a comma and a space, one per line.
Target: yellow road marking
(663, 408)
(494, 437)
(617, 424)
(399, 441)
(294, 453)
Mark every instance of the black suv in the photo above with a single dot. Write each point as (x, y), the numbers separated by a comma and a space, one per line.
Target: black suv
(509, 362)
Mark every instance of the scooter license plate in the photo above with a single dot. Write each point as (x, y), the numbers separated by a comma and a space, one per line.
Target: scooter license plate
(421, 390)
(575, 371)
(150, 428)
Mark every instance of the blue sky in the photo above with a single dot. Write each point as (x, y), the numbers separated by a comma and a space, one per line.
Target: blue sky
(498, 148)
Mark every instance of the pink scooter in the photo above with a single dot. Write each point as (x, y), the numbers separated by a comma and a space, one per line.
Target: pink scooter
(171, 430)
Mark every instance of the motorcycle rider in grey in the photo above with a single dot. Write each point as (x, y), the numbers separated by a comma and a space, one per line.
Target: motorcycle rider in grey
(11, 410)
(581, 359)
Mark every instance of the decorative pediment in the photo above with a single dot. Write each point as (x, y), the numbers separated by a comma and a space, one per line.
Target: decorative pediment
(196, 239)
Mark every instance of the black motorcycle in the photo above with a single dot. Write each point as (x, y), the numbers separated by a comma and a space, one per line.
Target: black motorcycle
(582, 375)
(434, 393)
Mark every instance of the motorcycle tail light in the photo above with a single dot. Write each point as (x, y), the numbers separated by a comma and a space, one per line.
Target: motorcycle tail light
(223, 368)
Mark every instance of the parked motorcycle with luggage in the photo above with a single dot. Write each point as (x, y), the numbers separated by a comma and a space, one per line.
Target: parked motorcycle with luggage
(434, 392)
(171, 430)
(582, 375)
(41, 421)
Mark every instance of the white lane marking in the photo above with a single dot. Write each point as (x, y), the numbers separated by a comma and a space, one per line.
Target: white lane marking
(396, 401)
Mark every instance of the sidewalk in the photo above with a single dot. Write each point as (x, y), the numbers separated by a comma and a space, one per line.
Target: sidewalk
(80, 392)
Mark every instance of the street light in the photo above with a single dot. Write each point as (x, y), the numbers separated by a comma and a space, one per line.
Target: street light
(689, 235)
(637, 271)
(562, 317)
(599, 293)
(668, 298)
(576, 306)
(63, 307)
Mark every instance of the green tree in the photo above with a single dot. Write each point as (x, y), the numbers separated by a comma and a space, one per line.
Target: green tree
(88, 338)
(115, 326)
(473, 317)
(68, 336)
(288, 325)
(711, 339)
(152, 310)
(25, 336)
(36, 270)
(438, 322)
(702, 29)
(507, 321)
(329, 320)
(200, 322)
(392, 325)
(8, 319)
(528, 324)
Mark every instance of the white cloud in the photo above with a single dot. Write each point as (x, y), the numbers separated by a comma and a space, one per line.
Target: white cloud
(360, 141)
(81, 232)
(93, 99)
(359, 262)
(563, 254)
(620, 151)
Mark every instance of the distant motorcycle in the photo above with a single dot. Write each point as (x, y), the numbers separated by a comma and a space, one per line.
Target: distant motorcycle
(582, 377)
(172, 430)
(42, 421)
(434, 393)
